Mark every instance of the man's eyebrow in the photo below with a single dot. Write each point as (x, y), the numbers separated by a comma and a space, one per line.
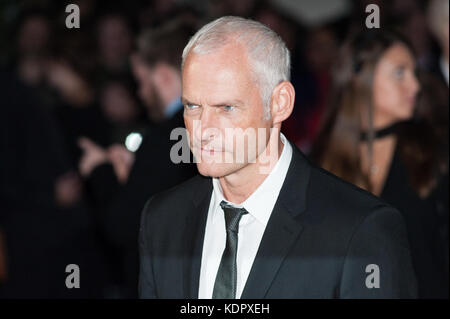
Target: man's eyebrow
(232, 102)
(186, 101)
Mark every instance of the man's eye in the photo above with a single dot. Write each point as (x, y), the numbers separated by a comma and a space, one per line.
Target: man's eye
(228, 108)
(191, 106)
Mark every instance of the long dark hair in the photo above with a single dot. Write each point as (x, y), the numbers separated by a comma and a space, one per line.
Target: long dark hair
(337, 147)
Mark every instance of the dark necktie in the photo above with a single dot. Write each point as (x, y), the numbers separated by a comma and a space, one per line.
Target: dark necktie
(226, 279)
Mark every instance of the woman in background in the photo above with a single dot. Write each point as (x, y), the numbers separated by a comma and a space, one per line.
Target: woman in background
(373, 137)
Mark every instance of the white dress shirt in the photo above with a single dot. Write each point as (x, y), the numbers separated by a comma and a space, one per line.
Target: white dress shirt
(251, 226)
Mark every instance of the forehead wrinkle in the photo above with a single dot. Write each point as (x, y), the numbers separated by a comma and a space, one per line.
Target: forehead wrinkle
(222, 73)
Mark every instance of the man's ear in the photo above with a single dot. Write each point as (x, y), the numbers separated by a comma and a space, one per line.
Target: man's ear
(283, 97)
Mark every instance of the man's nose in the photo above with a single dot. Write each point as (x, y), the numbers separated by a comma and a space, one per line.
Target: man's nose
(208, 124)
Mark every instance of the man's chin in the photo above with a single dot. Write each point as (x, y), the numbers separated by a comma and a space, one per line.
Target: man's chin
(215, 170)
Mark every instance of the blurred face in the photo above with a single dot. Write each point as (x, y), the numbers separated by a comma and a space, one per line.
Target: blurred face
(147, 90)
(118, 103)
(114, 39)
(395, 86)
(321, 48)
(221, 101)
(33, 36)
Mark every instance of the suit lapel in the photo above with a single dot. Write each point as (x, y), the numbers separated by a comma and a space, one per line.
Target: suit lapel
(283, 228)
(195, 229)
(282, 231)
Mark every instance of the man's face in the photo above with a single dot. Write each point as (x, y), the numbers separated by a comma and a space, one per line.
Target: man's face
(221, 99)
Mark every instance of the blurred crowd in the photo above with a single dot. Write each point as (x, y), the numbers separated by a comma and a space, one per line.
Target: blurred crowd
(86, 116)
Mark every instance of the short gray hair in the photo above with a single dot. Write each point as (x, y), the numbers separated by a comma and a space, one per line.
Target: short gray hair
(269, 57)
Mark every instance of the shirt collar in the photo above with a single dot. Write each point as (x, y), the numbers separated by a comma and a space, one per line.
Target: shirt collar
(260, 204)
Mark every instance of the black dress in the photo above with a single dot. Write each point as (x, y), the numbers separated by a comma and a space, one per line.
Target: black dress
(427, 226)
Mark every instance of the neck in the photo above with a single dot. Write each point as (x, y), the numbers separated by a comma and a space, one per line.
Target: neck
(382, 131)
(239, 186)
(382, 140)
(377, 166)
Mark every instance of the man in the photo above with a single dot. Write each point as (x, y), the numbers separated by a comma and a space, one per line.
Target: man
(121, 185)
(268, 224)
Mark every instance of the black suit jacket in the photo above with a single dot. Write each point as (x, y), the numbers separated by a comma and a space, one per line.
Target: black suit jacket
(322, 234)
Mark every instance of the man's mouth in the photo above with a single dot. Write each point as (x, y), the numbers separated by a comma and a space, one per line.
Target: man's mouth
(210, 151)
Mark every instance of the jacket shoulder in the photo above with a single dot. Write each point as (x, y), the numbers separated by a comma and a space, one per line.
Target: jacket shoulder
(172, 199)
(328, 192)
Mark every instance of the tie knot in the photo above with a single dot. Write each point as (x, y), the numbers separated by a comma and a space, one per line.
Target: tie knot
(232, 216)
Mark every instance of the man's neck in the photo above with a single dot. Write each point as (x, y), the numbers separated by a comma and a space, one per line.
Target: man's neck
(239, 186)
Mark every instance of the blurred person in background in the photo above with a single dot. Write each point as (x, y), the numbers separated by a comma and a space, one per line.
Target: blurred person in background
(115, 110)
(409, 19)
(114, 43)
(290, 31)
(313, 80)
(37, 64)
(120, 108)
(32, 46)
(372, 137)
(157, 13)
(438, 21)
(55, 80)
(311, 60)
(44, 219)
(425, 24)
(121, 181)
(218, 8)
